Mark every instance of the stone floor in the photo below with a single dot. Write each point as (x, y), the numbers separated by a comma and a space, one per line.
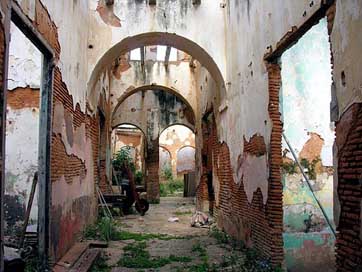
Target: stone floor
(198, 249)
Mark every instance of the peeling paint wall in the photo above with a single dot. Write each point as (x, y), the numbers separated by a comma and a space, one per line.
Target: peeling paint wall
(305, 106)
(136, 17)
(178, 76)
(22, 130)
(235, 39)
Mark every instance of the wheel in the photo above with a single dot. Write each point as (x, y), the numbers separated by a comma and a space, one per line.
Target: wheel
(142, 206)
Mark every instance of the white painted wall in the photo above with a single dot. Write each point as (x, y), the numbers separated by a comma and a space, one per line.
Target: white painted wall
(22, 125)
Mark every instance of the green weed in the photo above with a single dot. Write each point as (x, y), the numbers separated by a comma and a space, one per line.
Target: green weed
(136, 256)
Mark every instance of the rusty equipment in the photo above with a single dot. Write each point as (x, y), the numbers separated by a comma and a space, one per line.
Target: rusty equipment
(141, 204)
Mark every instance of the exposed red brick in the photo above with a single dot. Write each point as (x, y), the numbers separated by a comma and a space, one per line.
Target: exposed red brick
(349, 144)
(274, 208)
(20, 98)
(63, 164)
(70, 167)
(312, 149)
(46, 27)
(257, 225)
(256, 145)
(152, 169)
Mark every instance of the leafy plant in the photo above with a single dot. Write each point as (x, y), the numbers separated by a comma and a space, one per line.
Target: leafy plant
(220, 236)
(138, 177)
(103, 230)
(171, 187)
(311, 166)
(167, 171)
(290, 168)
(121, 160)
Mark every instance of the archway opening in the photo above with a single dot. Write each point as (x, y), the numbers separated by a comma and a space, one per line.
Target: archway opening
(128, 147)
(155, 46)
(177, 175)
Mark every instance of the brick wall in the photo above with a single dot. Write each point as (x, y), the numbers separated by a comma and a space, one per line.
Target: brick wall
(349, 145)
(20, 98)
(274, 208)
(69, 223)
(258, 225)
(152, 169)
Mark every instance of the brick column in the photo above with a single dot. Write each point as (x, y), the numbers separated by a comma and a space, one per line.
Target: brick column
(152, 169)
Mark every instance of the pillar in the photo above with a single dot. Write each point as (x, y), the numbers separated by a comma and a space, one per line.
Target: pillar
(152, 169)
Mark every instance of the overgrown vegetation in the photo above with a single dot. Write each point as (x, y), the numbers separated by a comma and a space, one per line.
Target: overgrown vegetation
(311, 167)
(292, 167)
(173, 186)
(180, 213)
(249, 260)
(103, 230)
(106, 229)
(289, 168)
(31, 265)
(123, 157)
(100, 265)
(136, 256)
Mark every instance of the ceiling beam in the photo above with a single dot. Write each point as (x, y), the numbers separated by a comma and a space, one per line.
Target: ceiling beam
(142, 49)
(167, 55)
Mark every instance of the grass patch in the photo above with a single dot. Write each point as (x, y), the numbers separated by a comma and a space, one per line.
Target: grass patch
(220, 236)
(136, 256)
(173, 186)
(180, 213)
(200, 249)
(249, 260)
(100, 265)
(106, 230)
(126, 235)
(202, 252)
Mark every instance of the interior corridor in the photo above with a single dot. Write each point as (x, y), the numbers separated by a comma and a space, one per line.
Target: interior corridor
(189, 135)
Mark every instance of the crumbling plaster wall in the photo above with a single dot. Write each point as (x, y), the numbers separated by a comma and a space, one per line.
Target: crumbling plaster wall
(22, 127)
(179, 77)
(255, 28)
(305, 104)
(128, 18)
(71, 19)
(346, 46)
(247, 96)
(64, 25)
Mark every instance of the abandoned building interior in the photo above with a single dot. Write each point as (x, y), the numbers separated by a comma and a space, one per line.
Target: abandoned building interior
(189, 135)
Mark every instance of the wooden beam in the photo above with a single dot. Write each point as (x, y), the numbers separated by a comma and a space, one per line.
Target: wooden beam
(142, 49)
(167, 56)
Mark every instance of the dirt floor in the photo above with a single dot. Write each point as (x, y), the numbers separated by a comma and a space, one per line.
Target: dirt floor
(158, 245)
